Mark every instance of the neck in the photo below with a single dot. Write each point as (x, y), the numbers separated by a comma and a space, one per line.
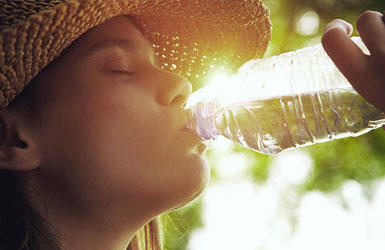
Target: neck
(85, 232)
(84, 226)
(107, 229)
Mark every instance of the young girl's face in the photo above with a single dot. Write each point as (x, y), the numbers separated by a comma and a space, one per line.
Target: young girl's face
(113, 131)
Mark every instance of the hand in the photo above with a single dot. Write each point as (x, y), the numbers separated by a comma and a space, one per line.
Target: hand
(366, 73)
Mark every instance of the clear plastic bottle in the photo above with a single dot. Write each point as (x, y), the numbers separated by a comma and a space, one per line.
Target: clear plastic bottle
(287, 101)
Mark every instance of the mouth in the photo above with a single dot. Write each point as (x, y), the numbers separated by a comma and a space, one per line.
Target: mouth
(201, 145)
(190, 131)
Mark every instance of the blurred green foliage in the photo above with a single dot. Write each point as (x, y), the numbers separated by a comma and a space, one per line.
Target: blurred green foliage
(178, 225)
(285, 14)
(361, 158)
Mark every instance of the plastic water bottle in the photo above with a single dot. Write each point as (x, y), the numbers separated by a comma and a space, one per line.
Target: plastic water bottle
(287, 101)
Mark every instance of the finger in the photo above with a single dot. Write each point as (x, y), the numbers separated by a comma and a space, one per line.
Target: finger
(371, 27)
(345, 26)
(346, 55)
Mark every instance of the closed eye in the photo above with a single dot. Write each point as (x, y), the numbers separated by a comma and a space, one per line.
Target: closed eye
(118, 71)
(120, 66)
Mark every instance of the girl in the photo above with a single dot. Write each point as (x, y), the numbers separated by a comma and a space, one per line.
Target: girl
(96, 146)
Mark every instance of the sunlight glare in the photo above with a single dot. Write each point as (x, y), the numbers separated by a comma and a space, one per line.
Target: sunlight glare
(214, 89)
(244, 216)
(249, 83)
(233, 166)
(290, 168)
(234, 218)
(308, 23)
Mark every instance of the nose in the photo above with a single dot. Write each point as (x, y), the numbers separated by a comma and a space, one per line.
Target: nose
(172, 89)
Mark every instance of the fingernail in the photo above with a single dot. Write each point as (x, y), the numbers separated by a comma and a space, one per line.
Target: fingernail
(341, 24)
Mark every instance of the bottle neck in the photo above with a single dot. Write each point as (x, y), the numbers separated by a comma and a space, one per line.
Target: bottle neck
(202, 120)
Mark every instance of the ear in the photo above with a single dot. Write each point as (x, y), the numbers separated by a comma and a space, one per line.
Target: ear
(17, 149)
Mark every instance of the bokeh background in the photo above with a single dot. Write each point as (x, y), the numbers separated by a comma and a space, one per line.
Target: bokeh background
(327, 196)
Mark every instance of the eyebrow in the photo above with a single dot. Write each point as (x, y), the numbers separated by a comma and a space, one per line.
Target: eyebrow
(125, 44)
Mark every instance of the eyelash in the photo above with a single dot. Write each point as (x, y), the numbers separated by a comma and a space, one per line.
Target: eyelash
(118, 66)
(122, 72)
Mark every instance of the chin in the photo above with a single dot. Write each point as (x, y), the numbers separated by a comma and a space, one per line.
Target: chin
(193, 183)
(187, 201)
(180, 185)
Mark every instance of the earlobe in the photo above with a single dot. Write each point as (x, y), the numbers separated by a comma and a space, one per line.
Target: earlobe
(18, 159)
(17, 152)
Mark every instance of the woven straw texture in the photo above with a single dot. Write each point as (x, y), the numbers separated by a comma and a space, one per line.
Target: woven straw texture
(190, 37)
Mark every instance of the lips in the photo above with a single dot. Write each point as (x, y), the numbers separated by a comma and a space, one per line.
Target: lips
(201, 145)
(188, 130)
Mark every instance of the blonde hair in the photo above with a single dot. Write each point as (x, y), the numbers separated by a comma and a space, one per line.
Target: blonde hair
(149, 237)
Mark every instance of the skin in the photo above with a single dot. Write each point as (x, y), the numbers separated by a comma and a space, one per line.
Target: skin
(366, 73)
(110, 151)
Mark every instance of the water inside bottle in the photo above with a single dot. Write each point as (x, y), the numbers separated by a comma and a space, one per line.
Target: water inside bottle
(275, 124)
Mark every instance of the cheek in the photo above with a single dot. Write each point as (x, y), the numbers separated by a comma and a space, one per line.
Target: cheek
(110, 148)
(104, 140)
(139, 155)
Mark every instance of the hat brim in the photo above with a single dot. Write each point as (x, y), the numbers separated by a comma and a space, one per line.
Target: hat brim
(191, 38)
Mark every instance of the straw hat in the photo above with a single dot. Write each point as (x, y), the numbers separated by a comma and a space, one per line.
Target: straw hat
(190, 37)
